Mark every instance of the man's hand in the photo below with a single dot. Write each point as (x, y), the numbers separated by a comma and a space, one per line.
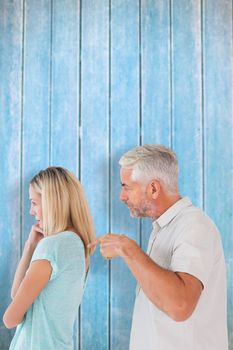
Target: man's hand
(175, 293)
(115, 245)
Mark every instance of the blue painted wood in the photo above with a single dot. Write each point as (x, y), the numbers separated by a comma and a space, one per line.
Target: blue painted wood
(36, 98)
(145, 77)
(155, 71)
(124, 135)
(10, 154)
(187, 95)
(95, 164)
(64, 75)
(65, 85)
(155, 80)
(218, 142)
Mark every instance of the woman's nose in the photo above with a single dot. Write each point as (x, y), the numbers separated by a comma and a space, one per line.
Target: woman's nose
(31, 211)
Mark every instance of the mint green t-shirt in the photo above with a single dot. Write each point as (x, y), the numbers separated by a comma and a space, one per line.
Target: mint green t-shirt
(48, 323)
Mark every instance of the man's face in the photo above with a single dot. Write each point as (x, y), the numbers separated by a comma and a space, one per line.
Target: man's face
(134, 195)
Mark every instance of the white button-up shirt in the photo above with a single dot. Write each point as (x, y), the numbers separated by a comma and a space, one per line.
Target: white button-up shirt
(184, 239)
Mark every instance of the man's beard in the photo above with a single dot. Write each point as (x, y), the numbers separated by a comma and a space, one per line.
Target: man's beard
(142, 210)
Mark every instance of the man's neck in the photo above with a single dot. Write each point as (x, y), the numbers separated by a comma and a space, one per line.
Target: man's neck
(164, 203)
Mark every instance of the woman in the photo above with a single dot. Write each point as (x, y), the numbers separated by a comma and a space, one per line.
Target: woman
(49, 281)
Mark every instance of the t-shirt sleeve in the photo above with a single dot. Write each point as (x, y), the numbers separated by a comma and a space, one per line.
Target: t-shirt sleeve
(193, 253)
(45, 250)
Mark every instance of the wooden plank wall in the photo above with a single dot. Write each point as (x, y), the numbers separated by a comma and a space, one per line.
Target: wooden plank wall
(83, 81)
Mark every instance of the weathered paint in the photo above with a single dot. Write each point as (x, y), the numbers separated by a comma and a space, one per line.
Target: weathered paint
(125, 133)
(218, 144)
(94, 165)
(84, 81)
(10, 150)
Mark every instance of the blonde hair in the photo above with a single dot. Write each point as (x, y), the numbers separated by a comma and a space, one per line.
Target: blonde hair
(64, 204)
(150, 162)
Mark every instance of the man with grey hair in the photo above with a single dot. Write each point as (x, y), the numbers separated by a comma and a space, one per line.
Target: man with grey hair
(181, 293)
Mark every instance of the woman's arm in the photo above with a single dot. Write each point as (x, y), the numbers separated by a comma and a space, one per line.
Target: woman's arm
(32, 284)
(35, 236)
(22, 268)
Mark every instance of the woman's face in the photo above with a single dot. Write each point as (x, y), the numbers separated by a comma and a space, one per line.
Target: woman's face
(36, 207)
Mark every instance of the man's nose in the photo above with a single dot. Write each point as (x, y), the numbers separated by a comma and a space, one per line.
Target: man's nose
(123, 196)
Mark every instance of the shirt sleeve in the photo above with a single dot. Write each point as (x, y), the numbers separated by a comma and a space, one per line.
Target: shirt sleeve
(193, 252)
(45, 250)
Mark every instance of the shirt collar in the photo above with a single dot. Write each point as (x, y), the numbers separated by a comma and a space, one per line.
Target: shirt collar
(171, 212)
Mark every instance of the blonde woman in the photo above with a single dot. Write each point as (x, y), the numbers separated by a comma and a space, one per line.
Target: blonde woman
(49, 281)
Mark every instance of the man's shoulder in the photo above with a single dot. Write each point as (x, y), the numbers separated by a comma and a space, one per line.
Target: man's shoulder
(195, 219)
(192, 213)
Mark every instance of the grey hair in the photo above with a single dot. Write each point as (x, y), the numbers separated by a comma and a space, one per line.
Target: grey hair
(150, 162)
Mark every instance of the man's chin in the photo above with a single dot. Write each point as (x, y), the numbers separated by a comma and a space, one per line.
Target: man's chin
(134, 214)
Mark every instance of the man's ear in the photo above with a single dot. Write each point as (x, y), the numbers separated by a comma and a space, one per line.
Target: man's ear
(154, 189)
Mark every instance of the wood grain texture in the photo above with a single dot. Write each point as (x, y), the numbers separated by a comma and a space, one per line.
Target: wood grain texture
(155, 81)
(35, 99)
(218, 143)
(64, 93)
(95, 163)
(84, 81)
(65, 84)
(11, 33)
(187, 95)
(125, 133)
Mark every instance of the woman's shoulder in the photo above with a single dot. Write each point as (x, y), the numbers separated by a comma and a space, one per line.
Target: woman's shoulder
(67, 236)
(62, 240)
(63, 248)
(68, 242)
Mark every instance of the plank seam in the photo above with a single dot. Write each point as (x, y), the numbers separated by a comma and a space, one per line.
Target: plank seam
(171, 72)
(140, 73)
(21, 130)
(51, 82)
(80, 139)
(140, 98)
(80, 86)
(109, 169)
(203, 104)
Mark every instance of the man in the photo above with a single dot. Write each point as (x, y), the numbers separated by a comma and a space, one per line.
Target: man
(181, 294)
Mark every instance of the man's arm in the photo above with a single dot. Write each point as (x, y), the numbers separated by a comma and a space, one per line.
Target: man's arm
(32, 284)
(175, 293)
